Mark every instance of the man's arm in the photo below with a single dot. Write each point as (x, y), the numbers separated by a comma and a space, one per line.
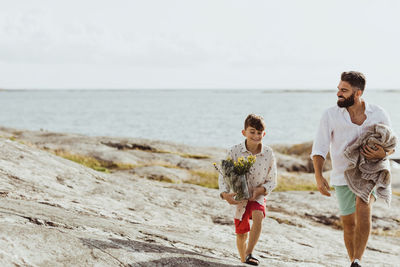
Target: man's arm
(322, 183)
(319, 151)
(380, 153)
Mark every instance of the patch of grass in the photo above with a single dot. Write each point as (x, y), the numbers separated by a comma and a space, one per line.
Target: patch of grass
(286, 183)
(83, 160)
(122, 166)
(381, 232)
(184, 155)
(162, 164)
(204, 178)
(193, 156)
(93, 163)
(161, 178)
(397, 193)
(14, 139)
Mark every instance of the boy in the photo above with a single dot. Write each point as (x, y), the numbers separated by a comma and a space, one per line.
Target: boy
(261, 180)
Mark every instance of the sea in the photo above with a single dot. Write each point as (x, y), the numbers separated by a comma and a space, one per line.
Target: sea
(210, 118)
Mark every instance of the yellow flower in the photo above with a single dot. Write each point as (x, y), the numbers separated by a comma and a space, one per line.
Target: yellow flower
(251, 159)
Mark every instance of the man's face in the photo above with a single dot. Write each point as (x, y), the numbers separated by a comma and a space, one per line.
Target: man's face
(346, 95)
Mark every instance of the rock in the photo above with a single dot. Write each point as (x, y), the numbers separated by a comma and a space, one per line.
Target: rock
(292, 164)
(54, 212)
(160, 173)
(296, 158)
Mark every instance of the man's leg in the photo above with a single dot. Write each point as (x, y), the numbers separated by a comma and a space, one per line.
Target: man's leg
(347, 206)
(255, 230)
(349, 230)
(241, 245)
(363, 226)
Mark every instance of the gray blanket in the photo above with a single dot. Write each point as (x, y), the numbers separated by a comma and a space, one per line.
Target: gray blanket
(362, 175)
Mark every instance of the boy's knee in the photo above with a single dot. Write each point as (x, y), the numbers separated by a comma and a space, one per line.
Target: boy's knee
(257, 215)
(241, 236)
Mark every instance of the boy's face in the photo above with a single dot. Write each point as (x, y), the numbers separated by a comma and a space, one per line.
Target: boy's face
(253, 136)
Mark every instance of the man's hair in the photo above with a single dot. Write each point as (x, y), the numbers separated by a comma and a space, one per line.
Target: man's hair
(354, 78)
(255, 121)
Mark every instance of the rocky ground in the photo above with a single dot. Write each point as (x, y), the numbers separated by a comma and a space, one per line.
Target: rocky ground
(55, 212)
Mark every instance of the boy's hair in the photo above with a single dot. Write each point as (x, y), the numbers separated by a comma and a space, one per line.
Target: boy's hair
(255, 121)
(354, 78)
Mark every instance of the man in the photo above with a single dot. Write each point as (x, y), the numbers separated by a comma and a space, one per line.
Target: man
(340, 126)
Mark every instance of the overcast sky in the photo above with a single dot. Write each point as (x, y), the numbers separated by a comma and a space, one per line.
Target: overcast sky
(197, 44)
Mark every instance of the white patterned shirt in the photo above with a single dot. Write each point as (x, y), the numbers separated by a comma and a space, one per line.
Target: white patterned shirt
(336, 131)
(262, 173)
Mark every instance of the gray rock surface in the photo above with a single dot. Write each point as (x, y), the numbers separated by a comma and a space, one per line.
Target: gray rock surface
(54, 212)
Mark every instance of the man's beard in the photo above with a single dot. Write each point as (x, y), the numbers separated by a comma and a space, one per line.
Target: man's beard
(347, 102)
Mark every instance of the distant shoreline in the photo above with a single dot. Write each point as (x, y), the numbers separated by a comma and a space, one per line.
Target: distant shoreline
(263, 90)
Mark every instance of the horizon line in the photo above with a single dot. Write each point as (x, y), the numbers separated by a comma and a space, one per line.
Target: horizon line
(194, 89)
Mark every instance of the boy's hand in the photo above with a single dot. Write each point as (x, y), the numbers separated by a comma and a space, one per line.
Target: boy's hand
(258, 191)
(229, 198)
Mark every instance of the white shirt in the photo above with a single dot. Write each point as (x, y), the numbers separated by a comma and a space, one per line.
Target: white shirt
(336, 131)
(262, 173)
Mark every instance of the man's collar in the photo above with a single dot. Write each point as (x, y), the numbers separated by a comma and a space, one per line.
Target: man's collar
(367, 106)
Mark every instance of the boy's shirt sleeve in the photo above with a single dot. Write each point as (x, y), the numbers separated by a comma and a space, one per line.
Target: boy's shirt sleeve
(224, 187)
(271, 180)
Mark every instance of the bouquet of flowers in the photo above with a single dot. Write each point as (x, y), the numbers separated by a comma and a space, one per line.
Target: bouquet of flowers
(234, 173)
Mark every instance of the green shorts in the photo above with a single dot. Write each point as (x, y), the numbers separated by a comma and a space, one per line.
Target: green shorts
(346, 199)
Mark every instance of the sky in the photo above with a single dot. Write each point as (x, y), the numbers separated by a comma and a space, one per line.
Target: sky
(210, 44)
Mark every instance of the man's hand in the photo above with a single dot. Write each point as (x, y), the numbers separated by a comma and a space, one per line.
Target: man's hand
(258, 191)
(323, 185)
(229, 198)
(370, 153)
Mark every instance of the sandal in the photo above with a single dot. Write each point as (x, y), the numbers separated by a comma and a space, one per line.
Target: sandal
(251, 260)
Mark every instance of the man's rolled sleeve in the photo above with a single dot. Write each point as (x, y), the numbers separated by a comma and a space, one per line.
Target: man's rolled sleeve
(323, 138)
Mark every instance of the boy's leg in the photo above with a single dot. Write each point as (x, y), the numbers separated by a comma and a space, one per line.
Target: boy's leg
(255, 230)
(241, 245)
(363, 226)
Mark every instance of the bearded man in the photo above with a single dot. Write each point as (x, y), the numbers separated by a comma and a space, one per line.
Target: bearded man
(339, 127)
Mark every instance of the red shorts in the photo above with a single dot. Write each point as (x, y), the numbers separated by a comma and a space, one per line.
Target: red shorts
(243, 226)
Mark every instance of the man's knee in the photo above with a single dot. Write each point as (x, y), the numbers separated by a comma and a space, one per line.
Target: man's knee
(364, 205)
(363, 210)
(349, 223)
